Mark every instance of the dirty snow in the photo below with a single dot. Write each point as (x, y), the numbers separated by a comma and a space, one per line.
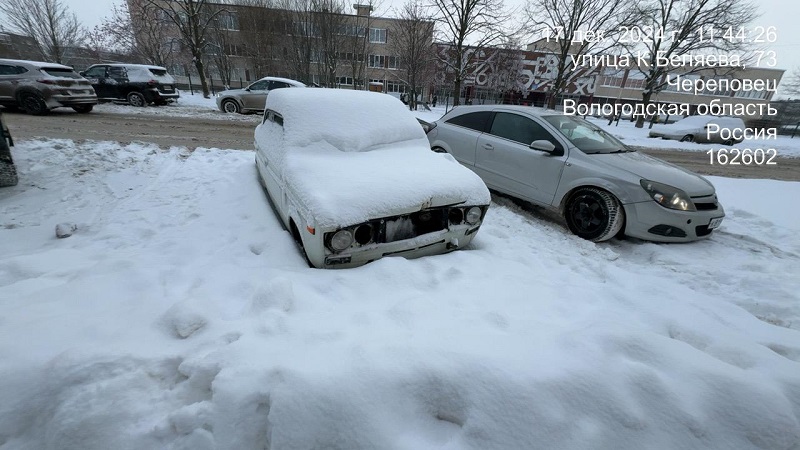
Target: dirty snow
(180, 315)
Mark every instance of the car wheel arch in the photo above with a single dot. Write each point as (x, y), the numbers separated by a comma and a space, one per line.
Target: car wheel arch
(231, 99)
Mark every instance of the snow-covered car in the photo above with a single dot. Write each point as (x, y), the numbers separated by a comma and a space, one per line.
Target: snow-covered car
(711, 129)
(37, 87)
(137, 84)
(351, 176)
(569, 165)
(252, 98)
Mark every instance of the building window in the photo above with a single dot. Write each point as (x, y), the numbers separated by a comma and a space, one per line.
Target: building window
(394, 86)
(228, 21)
(377, 61)
(345, 81)
(393, 62)
(377, 35)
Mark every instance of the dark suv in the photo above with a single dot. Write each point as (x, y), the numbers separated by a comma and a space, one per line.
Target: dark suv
(138, 84)
(37, 87)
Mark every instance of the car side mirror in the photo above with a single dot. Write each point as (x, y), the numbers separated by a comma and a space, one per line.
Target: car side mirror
(83, 74)
(543, 145)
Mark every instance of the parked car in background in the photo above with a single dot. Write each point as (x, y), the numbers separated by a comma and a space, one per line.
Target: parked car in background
(137, 84)
(37, 87)
(351, 176)
(252, 98)
(712, 129)
(567, 164)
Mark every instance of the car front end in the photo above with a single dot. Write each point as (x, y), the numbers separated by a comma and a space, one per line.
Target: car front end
(672, 215)
(425, 232)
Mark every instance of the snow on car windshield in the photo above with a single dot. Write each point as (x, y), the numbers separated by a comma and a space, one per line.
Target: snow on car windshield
(587, 137)
(350, 121)
(59, 72)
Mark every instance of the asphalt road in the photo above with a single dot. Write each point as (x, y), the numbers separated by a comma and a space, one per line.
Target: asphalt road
(192, 132)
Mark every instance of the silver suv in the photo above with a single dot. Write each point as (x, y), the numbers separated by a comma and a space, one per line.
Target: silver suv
(253, 97)
(37, 87)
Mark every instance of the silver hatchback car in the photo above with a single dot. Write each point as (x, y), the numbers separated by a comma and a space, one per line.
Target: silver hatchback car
(600, 187)
(253, 97)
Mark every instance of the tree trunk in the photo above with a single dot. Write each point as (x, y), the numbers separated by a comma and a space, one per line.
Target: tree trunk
(457, 92)
(198, 64)
(645, 101)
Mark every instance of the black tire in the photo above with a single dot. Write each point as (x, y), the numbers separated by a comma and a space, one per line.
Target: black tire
(33, 104)
(594, 214)
(728, 143)
(230, 106)
(83, 109)
(299, 241)
(438, 150)
(137, 99)
(687, 138)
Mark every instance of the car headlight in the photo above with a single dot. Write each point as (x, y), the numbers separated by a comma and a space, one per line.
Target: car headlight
(668, 196)
(341, 240)
(474, 215)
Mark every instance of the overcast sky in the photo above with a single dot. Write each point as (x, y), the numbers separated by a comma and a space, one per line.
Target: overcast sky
(782, 14)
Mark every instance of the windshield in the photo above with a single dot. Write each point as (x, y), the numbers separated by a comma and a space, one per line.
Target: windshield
(589, 138)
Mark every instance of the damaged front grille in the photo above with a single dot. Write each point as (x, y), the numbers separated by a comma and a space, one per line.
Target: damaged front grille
(406, 226)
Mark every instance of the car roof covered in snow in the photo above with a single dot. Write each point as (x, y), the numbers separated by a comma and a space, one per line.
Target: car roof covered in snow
(285, 80)
(38, 64)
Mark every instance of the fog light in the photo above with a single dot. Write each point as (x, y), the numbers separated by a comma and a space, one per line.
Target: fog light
(474, 215)
(341, 240)
(363, 234)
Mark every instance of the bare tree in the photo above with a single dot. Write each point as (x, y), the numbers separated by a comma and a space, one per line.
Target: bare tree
(300, 30)
(193, 20)
(791, 83)
(464, 21)
(573, 28)
(49, 22)
(223, 43)
(684, 27)
(412, 38)
(261, 29)
(136, 27)
(329, 23)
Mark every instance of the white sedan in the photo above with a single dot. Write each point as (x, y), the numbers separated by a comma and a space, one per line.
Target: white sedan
(352, 177)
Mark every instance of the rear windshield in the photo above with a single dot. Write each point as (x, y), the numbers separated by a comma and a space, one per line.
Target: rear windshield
(57, 72)
(158, 72)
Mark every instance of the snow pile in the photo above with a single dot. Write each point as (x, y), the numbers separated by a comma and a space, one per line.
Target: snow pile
(373, 161)
(182, 316)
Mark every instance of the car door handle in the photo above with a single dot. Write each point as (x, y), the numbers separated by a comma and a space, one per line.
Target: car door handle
(488, 146)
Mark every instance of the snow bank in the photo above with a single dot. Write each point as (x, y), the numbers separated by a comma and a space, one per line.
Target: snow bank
(182, 316)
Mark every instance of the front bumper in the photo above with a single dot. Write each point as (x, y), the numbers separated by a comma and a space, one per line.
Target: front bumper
(428, 244)
(652, 222)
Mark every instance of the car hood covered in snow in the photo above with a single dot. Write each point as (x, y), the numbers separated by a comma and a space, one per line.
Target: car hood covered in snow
(654, 169)
(346, 188)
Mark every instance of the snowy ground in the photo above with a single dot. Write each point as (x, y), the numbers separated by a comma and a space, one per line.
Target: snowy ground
(181, 316)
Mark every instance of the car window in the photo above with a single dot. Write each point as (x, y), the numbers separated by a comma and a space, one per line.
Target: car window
(476, 121)
(6, 69)
(58, 72)
(158, 72)
(259, 85)
(587, 137)
(277, 85)
(117, 72)
(520, 129)
(96, 72)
